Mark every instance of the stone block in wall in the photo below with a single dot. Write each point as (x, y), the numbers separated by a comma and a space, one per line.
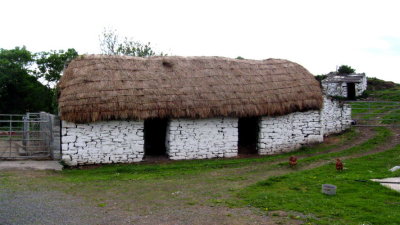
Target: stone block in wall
(230, 154)
(68, 139)
(68, 160)
(64, 131)
(80, 144)
(315, 139)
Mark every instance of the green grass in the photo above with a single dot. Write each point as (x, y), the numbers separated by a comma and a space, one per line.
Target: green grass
(355, 202)
(382, 135)
(388, 113)
(364, 107)
(175, 168)
(392, 94)
(392, 118)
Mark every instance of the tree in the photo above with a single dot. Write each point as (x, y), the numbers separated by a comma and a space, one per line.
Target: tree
(319, 78)
(345, 70)
(50, 65)
(21, 92)
(111, 44)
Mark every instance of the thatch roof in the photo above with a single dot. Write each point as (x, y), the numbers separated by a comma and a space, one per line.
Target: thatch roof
(96, 87)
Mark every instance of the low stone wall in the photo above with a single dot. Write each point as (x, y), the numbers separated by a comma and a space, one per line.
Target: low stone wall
(289, 132)
(335, 116)
(102, 142)
(203, 138)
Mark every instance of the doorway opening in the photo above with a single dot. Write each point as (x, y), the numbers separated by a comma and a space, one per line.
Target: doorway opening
(248, 128)
(155, 133)
(351, 91)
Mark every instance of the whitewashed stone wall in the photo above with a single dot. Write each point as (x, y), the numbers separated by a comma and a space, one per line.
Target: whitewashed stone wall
(335, 89)
(102, 142)
(123, 142)
(335, 116)
(340, 88)
(203, 138)
(289, 132)
(361, 87)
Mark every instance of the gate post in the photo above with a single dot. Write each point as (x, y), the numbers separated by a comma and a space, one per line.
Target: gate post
(55, 144)
(54, 134)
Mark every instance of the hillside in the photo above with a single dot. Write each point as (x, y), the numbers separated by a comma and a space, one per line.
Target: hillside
(383, 90)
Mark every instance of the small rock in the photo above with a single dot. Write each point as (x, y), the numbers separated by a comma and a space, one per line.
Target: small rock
(395, 168)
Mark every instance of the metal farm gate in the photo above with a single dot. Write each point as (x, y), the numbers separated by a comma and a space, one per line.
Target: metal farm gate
(24, 136)
(375, 113)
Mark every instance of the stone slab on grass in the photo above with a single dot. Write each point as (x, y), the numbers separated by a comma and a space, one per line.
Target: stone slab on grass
(392, 183)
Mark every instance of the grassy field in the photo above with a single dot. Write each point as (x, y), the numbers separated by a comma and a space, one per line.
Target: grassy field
(358, 200)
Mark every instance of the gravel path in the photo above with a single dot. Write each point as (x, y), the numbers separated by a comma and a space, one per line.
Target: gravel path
(51, 207)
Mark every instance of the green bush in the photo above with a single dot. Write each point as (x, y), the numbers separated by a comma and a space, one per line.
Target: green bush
(345, 69)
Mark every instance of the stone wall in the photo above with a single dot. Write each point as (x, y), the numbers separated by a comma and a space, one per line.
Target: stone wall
(335, 89)
(102, 142)
(340, 88)
(335, 116)
(122, 141)
(202, 138)
(361, 87)
(289, 132)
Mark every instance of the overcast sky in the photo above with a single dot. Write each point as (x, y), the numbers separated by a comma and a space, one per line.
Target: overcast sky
(319, 35)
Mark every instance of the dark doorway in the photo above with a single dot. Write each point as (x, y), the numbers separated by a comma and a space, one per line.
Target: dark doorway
(248, 135)
(351, 91)
(155, 132)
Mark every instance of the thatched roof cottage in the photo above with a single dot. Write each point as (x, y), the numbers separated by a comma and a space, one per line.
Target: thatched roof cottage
(122, 109)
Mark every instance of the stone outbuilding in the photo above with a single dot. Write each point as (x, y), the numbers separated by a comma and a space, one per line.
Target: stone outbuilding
(348, 86)
(120, 109)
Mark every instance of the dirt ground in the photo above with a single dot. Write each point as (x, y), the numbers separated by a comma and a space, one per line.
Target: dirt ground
(36, 197)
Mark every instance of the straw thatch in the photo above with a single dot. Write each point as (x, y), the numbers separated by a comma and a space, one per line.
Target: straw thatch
(98, 87)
